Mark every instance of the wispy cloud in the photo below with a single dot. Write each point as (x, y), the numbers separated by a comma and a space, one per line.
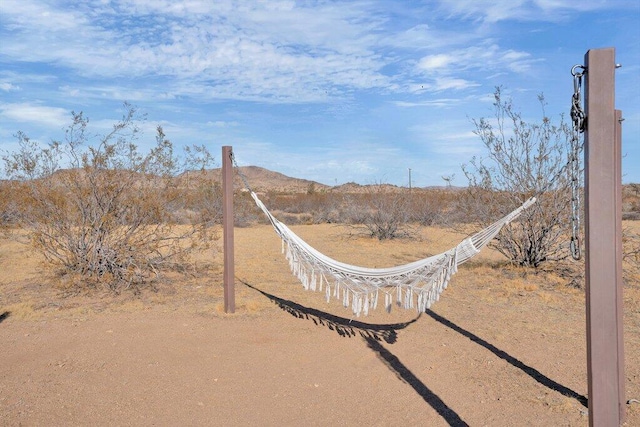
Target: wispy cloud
(269, 52)
(487, 57)
(8, 87)
(346, 90)
(439, 102)
(493, 11)
(277, 51)
(33, 113)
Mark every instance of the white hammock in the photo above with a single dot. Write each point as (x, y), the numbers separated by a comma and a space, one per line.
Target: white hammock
(415, 285)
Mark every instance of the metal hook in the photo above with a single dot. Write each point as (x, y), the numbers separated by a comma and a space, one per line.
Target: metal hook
(574, 245)
(575, 67)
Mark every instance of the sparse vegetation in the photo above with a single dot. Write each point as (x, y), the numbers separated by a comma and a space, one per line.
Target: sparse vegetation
(318, 208)
(103, 211)
(382, 212)
(111, 216)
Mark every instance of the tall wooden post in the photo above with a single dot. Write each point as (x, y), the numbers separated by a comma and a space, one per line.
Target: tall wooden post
(227, 230)
(619, 255)
(603, 243)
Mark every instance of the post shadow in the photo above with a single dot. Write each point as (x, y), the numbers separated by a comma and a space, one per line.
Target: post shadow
(4, 315)
(405, 374)
(532, 372)
(373, 334)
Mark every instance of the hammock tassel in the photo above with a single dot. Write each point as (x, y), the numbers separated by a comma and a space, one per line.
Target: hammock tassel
(313, 280)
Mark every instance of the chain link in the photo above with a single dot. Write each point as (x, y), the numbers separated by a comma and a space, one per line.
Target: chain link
(579, 121)
(240, 174)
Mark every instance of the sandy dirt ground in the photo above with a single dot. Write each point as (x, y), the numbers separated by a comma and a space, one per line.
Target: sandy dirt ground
(503, 347)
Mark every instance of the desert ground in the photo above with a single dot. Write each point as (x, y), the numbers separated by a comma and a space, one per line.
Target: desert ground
(503, 346)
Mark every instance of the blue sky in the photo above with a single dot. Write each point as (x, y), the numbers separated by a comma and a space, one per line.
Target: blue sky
(333, 91)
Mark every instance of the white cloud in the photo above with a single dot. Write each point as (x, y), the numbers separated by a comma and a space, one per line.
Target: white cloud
(277, 51)
(8, 87)
(222, 124)
(462, 68)
(493, 11)
(487, 57)
(445, 83)
(33, 113)
(439, 102)
(435, 62)
(426, 37)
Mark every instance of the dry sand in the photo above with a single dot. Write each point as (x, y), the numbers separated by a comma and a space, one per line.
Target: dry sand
(501, 348)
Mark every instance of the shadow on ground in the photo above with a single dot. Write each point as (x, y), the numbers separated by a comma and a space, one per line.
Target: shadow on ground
(532, 372)
(341, 325)
(374, 335)
(4, 315)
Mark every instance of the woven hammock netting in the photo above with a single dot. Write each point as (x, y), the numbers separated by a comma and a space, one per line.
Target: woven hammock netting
(416, 285)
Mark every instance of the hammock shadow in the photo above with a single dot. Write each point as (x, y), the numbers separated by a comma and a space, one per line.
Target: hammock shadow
(4, 315)
(341, 325)
(531, 371)
(373, 334)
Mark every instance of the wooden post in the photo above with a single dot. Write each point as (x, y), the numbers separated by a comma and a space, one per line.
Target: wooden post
(603, 240)
(619, 255)
(227, 230)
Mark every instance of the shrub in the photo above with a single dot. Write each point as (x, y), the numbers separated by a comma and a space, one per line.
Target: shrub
(322, 207)
(524, 159)
(382, 212)
(434, 207)
(631, 255)
(102, 209)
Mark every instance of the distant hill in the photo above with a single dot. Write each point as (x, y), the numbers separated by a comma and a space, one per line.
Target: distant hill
(265, 180)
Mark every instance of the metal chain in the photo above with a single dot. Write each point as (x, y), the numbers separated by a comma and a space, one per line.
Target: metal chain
(240, 174)
(578, 119)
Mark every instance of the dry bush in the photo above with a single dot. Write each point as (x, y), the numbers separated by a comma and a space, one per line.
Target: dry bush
(8, 213)
(435, 207)
(202, 200)
(523, 159)
(631, 254)
(631, 202)
(245, 211)
(322, 207)
(104, 213)
(383, 212)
